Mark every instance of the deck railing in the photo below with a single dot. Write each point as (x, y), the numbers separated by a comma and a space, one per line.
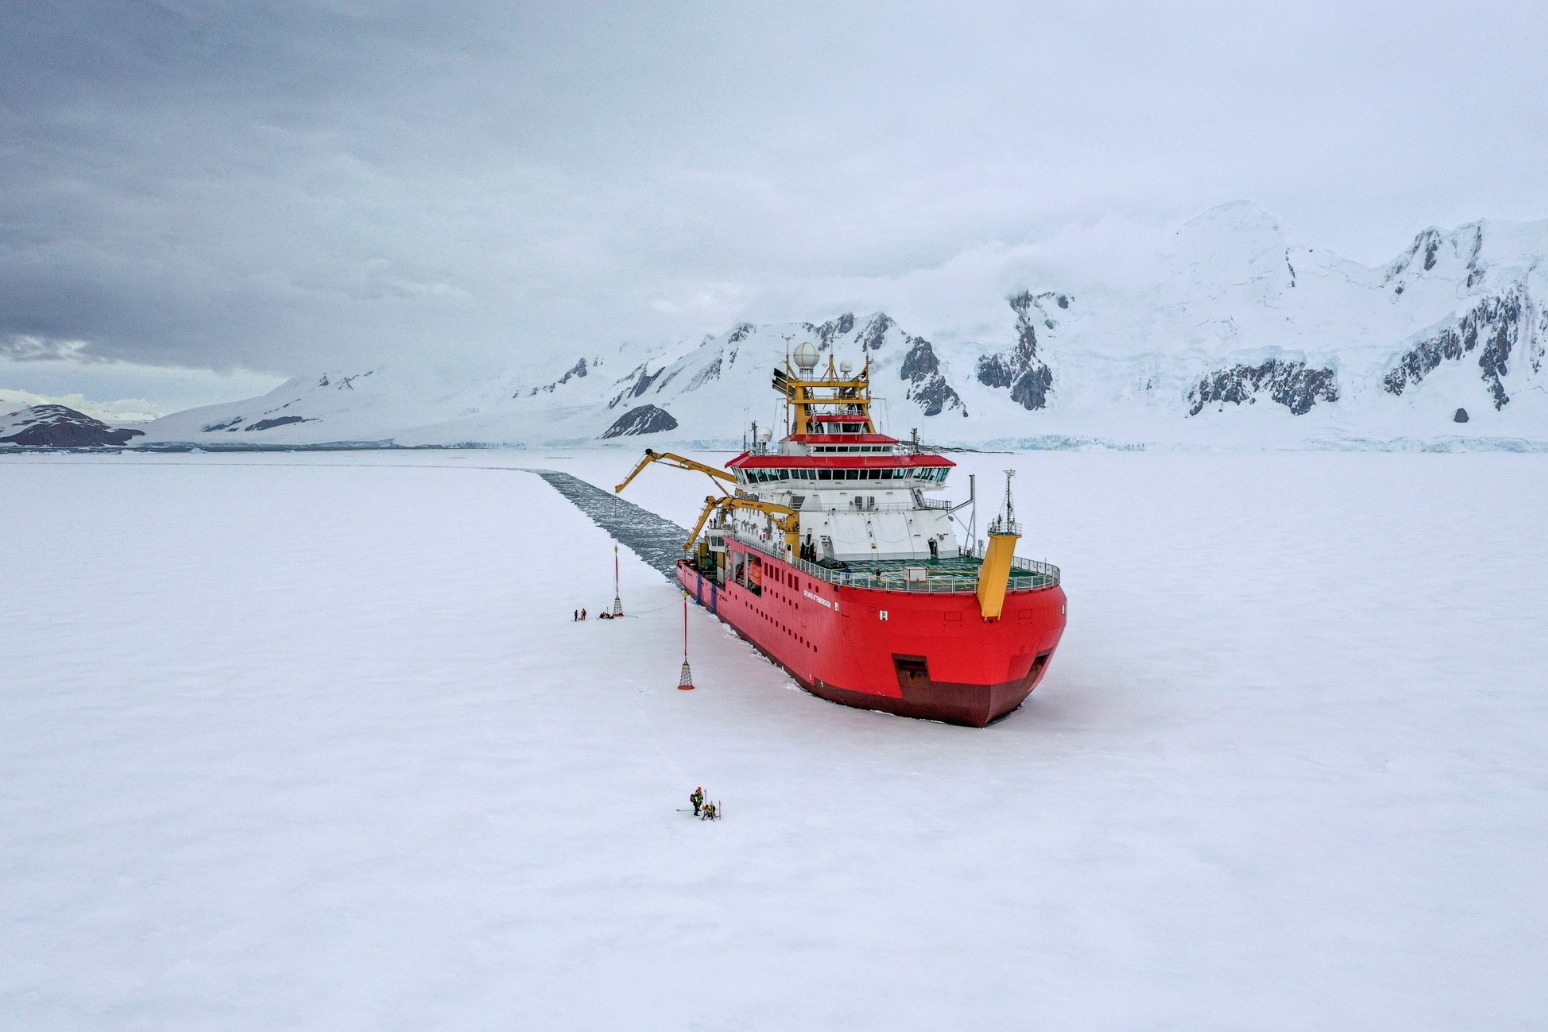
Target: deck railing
(1026, 574)
(865, 510)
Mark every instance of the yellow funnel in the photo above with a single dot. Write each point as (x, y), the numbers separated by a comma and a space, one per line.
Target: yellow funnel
(994, 574)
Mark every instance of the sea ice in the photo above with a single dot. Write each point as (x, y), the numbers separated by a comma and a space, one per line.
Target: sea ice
(313, 741)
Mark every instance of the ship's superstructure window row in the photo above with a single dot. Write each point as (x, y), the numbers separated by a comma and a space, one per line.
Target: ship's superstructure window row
(935, 475)
(850, 449)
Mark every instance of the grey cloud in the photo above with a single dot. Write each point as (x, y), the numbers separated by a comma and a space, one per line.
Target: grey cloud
(18, 348)
(280, 185)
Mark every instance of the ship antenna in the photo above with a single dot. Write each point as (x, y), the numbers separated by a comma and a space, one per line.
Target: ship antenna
(973, 520)
(785, 394)
(1005, 522)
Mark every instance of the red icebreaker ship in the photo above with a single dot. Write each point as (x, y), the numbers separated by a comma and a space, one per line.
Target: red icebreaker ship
(826, 552)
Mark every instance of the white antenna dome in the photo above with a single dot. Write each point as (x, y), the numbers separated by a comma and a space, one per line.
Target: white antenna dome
(765, 435)
(846, 367)
(805, 358)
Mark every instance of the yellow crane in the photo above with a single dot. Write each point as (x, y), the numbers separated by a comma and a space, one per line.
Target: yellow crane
(787, 519)
(680, 462)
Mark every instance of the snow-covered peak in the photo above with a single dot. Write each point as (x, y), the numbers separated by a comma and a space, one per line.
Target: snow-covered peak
(1230, 334)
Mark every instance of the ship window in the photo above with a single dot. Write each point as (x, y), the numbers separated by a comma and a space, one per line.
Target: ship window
(824, 474)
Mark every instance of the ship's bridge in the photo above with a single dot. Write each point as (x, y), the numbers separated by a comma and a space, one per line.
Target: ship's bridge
(859, 494)
(854, 505)
(889, 470)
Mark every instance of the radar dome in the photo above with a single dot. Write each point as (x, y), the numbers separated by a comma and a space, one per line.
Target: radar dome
(806, 358)
(846, 367)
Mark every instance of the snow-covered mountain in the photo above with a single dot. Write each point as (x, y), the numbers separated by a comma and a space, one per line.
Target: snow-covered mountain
(55, 426)
(1228, 335)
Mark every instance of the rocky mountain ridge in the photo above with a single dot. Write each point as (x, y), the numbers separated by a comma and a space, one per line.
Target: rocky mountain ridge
(1228, 315)
(57, 426)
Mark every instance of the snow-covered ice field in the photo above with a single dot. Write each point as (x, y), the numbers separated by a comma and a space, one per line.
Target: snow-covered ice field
(311, 741)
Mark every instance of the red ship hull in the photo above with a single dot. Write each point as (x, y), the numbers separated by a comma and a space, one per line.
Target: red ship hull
(916, 654)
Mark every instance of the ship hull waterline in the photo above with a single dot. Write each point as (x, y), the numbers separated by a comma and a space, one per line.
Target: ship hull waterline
(924, 655)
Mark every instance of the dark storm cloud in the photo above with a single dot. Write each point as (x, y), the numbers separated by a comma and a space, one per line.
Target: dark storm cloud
(277, 186)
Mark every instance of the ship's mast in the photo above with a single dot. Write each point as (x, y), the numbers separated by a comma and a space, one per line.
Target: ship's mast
(834, 389)
(1005, 520)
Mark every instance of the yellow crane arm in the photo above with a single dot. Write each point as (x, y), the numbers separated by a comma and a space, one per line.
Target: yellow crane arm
(710, 505)
(678, 461)
(788, 519)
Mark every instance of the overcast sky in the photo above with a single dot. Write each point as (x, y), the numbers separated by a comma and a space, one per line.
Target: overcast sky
(202, 196)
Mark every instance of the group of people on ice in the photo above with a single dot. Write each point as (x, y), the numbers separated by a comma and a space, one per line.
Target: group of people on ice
(705, 811)
(580, 614)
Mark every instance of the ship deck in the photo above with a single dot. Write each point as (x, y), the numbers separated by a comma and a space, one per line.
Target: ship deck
(957, 574)
(949, 575)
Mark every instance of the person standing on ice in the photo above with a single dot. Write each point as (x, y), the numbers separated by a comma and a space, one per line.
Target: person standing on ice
(575, 615)
(709, 812)
(583, 614)
(697, 799)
